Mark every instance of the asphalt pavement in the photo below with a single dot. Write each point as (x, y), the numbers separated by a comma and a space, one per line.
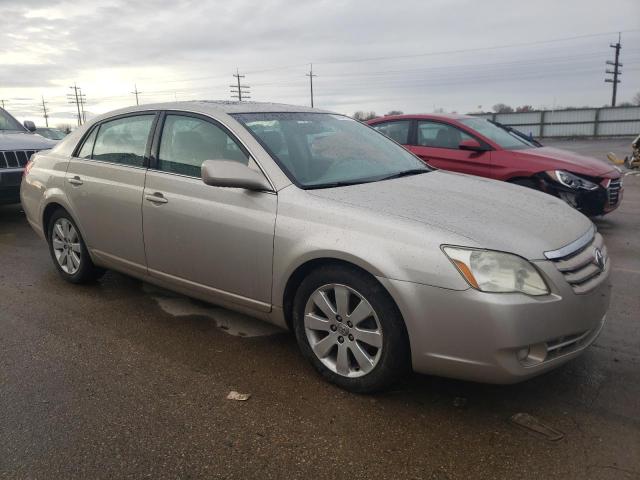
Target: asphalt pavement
(122, 380)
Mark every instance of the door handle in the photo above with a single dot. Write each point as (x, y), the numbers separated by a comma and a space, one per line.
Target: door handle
(75, 180)
(156, 198)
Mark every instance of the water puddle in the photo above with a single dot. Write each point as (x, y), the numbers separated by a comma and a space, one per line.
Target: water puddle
(230, 322)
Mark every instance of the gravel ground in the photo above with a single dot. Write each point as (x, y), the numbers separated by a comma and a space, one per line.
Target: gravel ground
(122, 380)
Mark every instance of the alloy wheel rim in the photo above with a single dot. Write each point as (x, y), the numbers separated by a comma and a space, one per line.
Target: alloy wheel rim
(66, 246)
(343, 330)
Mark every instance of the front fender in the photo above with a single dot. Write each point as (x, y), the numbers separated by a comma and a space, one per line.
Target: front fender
(310, 228)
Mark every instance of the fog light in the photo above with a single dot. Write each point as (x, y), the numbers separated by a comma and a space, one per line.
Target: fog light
(523, 353)
(532, 355)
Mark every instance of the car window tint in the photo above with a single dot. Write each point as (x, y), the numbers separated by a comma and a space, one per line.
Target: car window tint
(188, 141)
(397, 130)
(440, 135)
(124, 140)
(87, 146)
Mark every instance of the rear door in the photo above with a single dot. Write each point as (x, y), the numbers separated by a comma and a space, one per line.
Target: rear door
(104, 184)
(437, 144)
(213, 240)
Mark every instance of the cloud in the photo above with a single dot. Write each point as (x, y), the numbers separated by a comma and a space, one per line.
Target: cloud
(368, 54)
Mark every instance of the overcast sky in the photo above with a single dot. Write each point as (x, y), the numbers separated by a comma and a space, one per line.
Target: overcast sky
(410, 55)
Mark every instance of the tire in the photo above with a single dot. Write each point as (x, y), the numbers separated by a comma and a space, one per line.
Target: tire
(68, 250)
(525, 182)
(347, 344)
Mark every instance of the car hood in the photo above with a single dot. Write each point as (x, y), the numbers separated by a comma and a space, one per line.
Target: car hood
(550, 158)
(491, 214)
(12, 140)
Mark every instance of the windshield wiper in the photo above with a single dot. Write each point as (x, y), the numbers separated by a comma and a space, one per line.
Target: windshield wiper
(406, 173)
(344, 183)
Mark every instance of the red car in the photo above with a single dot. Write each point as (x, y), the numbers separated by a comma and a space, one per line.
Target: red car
(478, 146)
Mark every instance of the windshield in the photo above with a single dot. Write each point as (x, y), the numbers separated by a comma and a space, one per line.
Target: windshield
(500, 135)
(318, 150)
(7, 122)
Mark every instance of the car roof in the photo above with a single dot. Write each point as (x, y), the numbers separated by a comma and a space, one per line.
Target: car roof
(218, 106)
(423, 116)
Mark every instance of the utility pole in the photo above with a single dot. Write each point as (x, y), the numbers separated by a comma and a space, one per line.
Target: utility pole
(74, 98)
(311, 75)
(82, 100)
(136, 92)
(44, 110)
(239, 91)
(616, 72)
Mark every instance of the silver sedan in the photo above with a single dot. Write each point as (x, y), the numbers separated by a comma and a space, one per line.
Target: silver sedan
(317, 223)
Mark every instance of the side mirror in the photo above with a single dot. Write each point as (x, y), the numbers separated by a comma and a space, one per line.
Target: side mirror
(29, 125)
(227, 173)
(472, 145)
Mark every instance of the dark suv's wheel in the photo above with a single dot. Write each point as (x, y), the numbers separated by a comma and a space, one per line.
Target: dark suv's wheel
(68, 250)
(349, 328)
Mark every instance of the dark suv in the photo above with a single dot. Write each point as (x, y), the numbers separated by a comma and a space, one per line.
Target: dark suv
(17, 144)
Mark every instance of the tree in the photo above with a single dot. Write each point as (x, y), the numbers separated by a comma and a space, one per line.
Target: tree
(636, 99)
(395, 112)
(524, 108)
(502, 108)
(364, 116)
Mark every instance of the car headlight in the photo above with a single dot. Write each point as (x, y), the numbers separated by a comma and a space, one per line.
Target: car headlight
(570, 180)
(497, 272)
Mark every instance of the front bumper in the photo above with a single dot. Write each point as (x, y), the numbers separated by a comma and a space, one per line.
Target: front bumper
(477, 336)
(10, 179)
(606, 198)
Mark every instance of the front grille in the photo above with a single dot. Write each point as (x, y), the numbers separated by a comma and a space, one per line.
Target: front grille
(15, 158)
(613, 191)
(580, 267)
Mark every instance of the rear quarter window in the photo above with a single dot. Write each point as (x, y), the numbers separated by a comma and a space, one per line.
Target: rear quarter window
(123, 140)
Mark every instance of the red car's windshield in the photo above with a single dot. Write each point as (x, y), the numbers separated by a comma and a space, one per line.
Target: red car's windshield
(503, 137)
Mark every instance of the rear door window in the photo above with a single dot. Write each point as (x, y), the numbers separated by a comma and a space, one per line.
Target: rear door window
(87, 147)
(397, 130)
(124, 140)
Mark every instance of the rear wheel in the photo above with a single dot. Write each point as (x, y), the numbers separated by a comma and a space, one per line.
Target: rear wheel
(68, 251)
(350, 329)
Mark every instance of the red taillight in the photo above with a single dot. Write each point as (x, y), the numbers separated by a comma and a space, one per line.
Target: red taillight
(27, 167)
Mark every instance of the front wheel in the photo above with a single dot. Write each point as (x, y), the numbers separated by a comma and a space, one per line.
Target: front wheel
(350, 329)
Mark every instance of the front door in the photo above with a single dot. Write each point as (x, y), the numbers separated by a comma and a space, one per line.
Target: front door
(437, 144)
(104, 184)
(216, 240)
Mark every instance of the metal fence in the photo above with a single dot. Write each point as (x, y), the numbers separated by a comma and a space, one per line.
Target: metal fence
(579, 122)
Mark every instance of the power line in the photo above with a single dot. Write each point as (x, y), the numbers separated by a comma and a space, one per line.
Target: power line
(311, 75)
(441, 52)
(238, 91)
(44, 111)
(470, 50)
(616, 70)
